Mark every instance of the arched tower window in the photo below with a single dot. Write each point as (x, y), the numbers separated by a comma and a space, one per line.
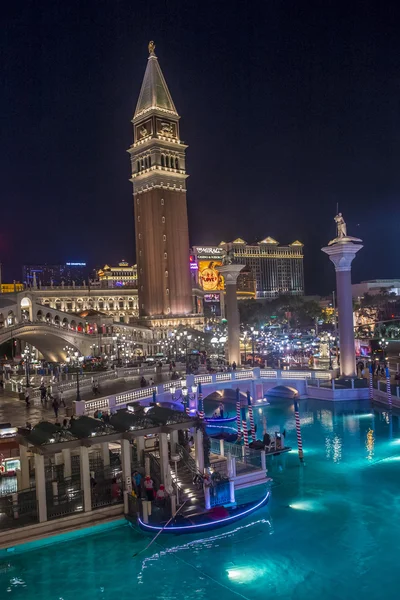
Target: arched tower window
(138, 165)
(149, 161)
(146, 162)
(176, 163)
(162, 160)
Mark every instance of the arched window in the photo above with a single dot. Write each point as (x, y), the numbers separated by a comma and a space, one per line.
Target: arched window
(163, 219)
(149, 161)
(142, 163)
(165, 255)
(167, 161)
(164, 238)
(146, 162)
(138, 165)
(162, 160)
(176, 163)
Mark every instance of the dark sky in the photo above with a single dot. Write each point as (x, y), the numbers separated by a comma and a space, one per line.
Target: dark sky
(288, 107)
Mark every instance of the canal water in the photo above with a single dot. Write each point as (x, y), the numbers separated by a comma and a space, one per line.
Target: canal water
(331, 530)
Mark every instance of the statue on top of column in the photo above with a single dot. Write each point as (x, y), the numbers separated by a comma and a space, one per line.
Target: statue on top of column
(341, 232)
(341, 226)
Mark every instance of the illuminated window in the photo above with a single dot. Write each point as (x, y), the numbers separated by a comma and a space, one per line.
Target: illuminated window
(138, 218)
(163, 219)
(140, 236)
(166, 273)
(162, 201)
(164, 238)
(137, 201)
(165, 255)
(167, 291)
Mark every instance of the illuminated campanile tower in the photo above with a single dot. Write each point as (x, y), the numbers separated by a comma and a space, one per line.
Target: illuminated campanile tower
(159, 192)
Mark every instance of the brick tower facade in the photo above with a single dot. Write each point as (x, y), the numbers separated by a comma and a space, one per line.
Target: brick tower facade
(159, 192)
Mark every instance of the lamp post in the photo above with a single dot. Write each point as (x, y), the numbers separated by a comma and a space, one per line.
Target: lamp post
(383, 344)
(27, 358)
(254, 334)
(184, 396)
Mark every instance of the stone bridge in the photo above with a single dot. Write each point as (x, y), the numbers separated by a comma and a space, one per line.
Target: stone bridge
(257, 381)
(50, 338)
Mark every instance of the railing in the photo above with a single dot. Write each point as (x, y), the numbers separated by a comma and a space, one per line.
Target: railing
(102, 494)
(33, 325)
(203, 378)
(135, 395)
(219, 494)
(18, 509)
(244, 374)
(187, 459)
(64, 504)
(249, 456)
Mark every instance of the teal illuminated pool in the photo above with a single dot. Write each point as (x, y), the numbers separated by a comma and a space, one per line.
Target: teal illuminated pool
(331, 530)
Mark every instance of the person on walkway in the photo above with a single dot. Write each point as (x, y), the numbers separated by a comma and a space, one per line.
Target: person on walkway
(48, 396)
(55, 406)
(115, 490)
(234, 366)
(62, 401)
(42, 393)
(161, 495)
(27, 398)
(143, 382)
(71, 421)
(137, 481)
(96, 386)
(149, 488)
(151, 382)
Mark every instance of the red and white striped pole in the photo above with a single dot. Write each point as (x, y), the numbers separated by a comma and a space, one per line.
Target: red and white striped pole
(200, 405)
(238, 417)
(244, 428)
(371, 384)
(389, 388)
(251, 417)
(298, 430)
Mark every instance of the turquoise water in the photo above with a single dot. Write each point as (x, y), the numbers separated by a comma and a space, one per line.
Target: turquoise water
(331, 530)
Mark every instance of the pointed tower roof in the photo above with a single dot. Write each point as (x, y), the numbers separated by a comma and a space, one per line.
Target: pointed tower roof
(268, 240)
(154, 93)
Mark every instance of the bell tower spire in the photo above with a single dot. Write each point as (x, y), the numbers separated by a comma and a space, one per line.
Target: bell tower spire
(159, 191)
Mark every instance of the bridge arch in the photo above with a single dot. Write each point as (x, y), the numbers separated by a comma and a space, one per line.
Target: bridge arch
(26, 308)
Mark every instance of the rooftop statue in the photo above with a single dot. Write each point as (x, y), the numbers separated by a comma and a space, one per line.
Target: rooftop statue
(341, 226)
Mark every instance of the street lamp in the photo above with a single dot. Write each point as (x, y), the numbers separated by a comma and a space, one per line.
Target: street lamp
(383, 344)
(28, 356)
(254, 334)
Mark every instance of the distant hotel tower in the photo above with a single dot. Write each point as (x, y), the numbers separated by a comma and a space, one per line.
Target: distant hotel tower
(159, 191)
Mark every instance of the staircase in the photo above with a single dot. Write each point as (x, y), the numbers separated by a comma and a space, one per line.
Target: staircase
(189, 493)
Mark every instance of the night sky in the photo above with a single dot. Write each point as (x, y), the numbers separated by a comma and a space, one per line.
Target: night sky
(288, 107)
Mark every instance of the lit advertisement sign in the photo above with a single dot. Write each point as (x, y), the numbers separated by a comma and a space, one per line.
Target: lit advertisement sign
(69, 264)
(209, 278)
(212, 297)
(193, 263)
(209, 251)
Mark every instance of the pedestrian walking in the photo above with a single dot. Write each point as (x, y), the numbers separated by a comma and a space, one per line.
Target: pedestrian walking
(27, 398)
(62, 401)
(149, 488)
(56, 406)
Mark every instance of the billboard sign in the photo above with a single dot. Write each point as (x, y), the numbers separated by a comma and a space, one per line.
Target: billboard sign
(209, 278)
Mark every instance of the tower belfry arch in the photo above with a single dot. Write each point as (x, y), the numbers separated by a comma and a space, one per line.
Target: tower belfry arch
(159, 191)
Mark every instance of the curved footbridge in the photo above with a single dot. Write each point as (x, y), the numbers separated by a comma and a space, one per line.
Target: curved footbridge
(257, 381)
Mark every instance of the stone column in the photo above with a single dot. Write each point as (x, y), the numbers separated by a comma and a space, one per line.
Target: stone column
(85, 478)
(164, 460)
(105, 454)
(199, 450)
(342, 254)
(173, 440)
(126, 465)
(40, 481)
(140, 449)
(230, 274)
(67, 463)
(24, 460)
